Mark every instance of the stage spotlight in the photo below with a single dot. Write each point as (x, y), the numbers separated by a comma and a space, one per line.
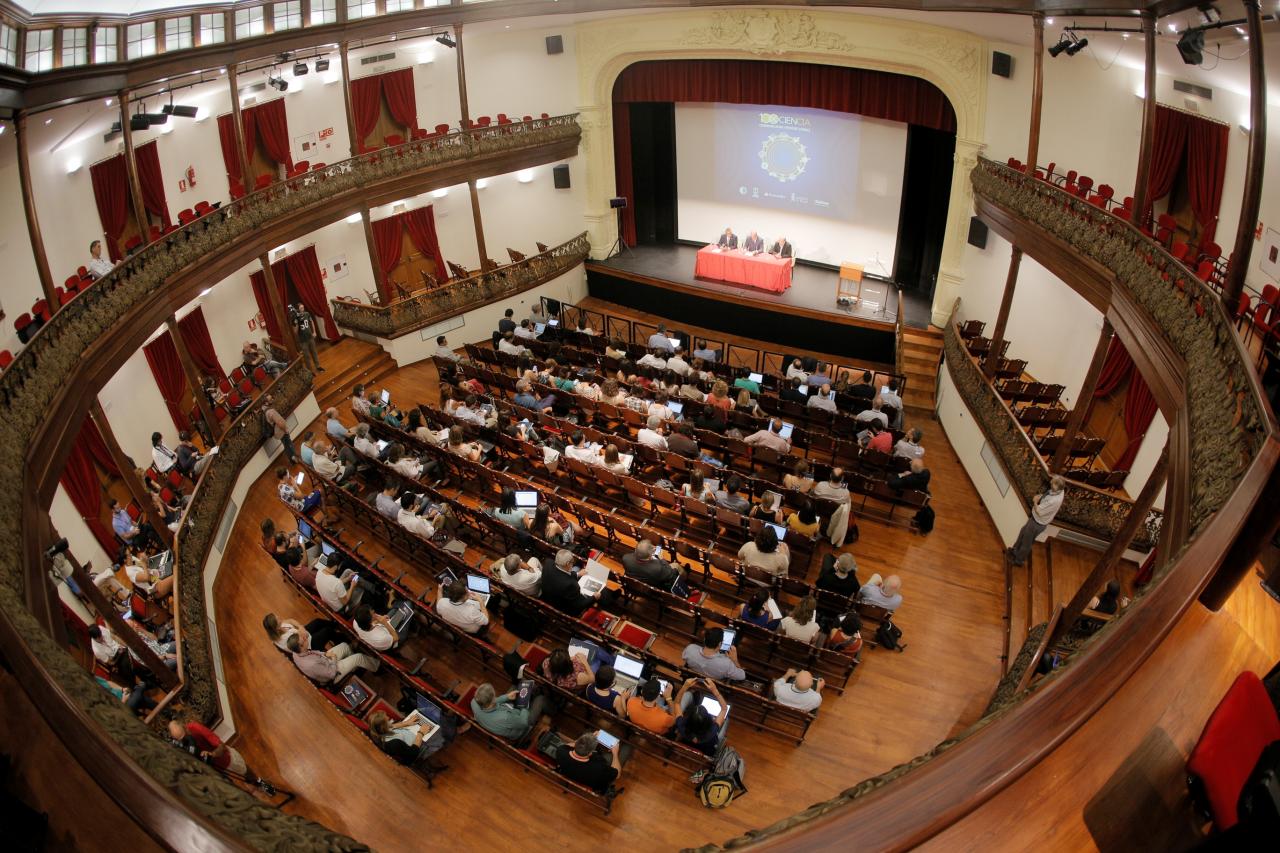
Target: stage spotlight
(300, 68)
(278, 83)
(444, 39)
(1077, 46)
(322, 65)
(1058, 48)
(138, 121)
(154, 119)
(1191, 47)
(179, 110)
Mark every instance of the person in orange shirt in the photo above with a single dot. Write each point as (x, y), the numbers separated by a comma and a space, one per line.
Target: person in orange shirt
(650, 707)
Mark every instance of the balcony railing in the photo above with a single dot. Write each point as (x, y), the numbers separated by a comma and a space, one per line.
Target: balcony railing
(460, 295)
(44, 395)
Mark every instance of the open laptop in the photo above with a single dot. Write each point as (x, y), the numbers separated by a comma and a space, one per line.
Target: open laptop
(480, 586)
(778, 529)
(676, 408)
(161, 565)
(804, 389)
(711, 483)
(629, 672)
(786, 430)
(675, 343)
(594, 579)
(553, 322)
(526, 500)
(400, 615)
(381, 444)
(755, 377)
(327, 553)
(386, 397)
(713, 707)
(539, 328)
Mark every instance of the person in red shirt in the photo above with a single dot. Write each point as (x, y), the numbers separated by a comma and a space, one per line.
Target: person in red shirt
(882, 441)
(202, 742)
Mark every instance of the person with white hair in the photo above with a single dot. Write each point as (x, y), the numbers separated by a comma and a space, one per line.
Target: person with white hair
(886, 593)
(646, 566)
(908, 447)
(1044, 508)
(799, 690)
(519, 574)
(501, 716)
(652, 435)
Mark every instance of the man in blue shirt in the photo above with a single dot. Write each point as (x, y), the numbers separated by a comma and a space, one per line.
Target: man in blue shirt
(334, 427)
(659, 340)
(124, 527)
(819, 376)
(525, 398)
(707, 355)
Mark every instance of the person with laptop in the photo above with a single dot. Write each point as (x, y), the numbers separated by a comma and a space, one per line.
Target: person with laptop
(588, 764)
(374, 629)
(410, 517)
(704, 716)
(796, 392)
(766, 552)
(501, 715)
(579, 449)
(769, 510)
(560, 588)
(646, 566)
(833, 488)
(770, 437)
(603, 692)
(519, 574)
(824, 399)
(712, 659)
(748, 381)
(462, 608)
(799, 690)
(650, 706)
(661, 340)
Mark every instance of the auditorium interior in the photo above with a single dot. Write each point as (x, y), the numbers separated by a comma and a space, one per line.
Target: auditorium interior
(684, 425)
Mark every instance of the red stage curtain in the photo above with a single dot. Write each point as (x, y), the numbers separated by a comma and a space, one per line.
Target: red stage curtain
(365, 107)
(387, 239)
(304, 274)
(81, 482)
(421, 222)
(152, 182)
(97, 448)
(1139, 410)
(227, 136)
(878, 94)
(195, 334)
(273, 130)
(1166, 153)
(263, 298)
(622, 168)
(1115, 370)
(1206, 166)
(162, 355)
(397, 87)
(111, 192)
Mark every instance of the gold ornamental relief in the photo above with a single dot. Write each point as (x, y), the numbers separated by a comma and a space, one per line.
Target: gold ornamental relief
(765, 32)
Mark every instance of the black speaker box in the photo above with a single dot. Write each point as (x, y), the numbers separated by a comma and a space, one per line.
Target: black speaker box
(1001, 64)
(555, 44)
(560, 174)
(977, 233)
(618, 201)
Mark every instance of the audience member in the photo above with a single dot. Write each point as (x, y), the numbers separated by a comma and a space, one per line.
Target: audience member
(846, 634)
(570, 672)
(708, 660)
(652, 435)
(1110, 600)
(873, 415)
(519, 574)
(645, 565)
(799, 690)
(704, 353)
(650, 707)
(823, 398)
(560, 587)
(697, 488)
(801, 623)
(792, 392)
(696, 727)
(374, 629)
(839, 575)
(327, 667)
(408, 746)
(833, 488)
(1044, 507)
(659, 340)
(770, 437)
(908, 446)
(602, 694)
(757, 611)
(161, 457)
(333, 427)
(190, 462)
(799, 479)
(865, 389)
(917, 477)
(507, 325)
(209, 747)
(462, 608)
(730, 496)
(585, 764)
(682, 441)
(886, 593)
(804, 520)
(98, 266)
(508, 345)
(387, 503)
(443, 350)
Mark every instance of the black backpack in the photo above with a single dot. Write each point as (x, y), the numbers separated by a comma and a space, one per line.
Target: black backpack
(924, 519)
(889, 636)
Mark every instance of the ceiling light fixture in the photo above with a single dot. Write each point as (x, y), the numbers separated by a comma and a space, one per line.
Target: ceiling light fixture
(444, 39)
(300, 68)
(322, 65)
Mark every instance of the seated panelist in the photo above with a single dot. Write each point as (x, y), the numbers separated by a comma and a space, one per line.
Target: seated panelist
(781, 248)
(728, 240)
(754, 243)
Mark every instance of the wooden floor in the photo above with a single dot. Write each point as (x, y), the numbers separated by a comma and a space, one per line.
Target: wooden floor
(898, 706)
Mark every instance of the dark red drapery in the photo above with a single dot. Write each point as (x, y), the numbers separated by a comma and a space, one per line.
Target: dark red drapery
(93, 442)
(80, 479)
(1167, 152)
(397, 88)
(421, 222)
(162, 355)
(1115, 370)
(263, 298)
(304, 275)
(365, 95)
(195, 334)
(1206, 166)
(622, 168)
(273, 131)
(388, 238)
(1139, 411)
(877, 94)
(152, 181)
(111, 193)
(227, 136)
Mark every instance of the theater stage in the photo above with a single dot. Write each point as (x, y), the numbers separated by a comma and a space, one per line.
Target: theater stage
(659, 280)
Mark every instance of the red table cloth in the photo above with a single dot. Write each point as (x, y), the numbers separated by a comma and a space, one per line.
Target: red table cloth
(763, 271)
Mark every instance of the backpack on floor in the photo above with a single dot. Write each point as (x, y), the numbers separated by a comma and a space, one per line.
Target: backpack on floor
(889, 636)
(719, 786)
(924, 519)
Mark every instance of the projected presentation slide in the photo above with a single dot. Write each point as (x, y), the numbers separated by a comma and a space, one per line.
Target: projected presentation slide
(830, 182)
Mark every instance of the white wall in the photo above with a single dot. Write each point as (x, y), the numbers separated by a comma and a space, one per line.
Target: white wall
(69, 523)
(135, 409)
(20, 285)
(509, 70)
(506, 205)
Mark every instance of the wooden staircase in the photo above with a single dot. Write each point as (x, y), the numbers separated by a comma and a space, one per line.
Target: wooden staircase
(348, 363)
(921, 354)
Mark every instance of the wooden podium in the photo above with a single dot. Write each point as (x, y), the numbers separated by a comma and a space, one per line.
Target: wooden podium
(850, 285)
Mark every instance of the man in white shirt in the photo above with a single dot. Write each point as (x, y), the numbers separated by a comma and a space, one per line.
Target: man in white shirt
(653, 359)
(520, 575)
(678, 364)
(470, 411)
(161, 456)
(443, 350)
(652, 434)
(660, 341)
(885, 593)
(323, 463)
(508, 345)
(821, 399)
(1043, 510)
(795, 370)
(98, 266)
(770, 437)
(336, 592)
(873, 415)
(833, 488)
(411, 521)
(106, 648)
(461, 608)
(374, 629)
(889, 396)
(908, 447)
(363, 444)
(799, 690)
(525, 331)
(579, 449)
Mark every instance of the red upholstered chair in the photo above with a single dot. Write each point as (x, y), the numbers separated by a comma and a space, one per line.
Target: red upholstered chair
(1180, 250)
(442, 128)
(1243, 724)
(1204, 271)
(133, 243)
(40, 308)
(316, 167)
(83, 272)
(1048, 170)
(202, 208)
(1122, 213)
(300, 168)
(1210, 251)
(544, 115)
(238, 374)
(393, 139)
(527, 118)
(484, 121)
(502, 117)
(419, 133)
(72, 283)
(1085, 183)
(6, 359)
(174, 476)
(235, 399)
(224, 385)
(187, 216)
(260, 377)
(263, 182)
(246, 387)
(65, 296)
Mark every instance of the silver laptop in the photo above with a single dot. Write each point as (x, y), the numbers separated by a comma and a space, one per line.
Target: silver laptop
(480, 586)
(629, 672)
(526, 500)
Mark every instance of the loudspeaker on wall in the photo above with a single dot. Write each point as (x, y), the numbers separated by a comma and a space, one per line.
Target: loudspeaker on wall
(977, 233)
(555, 44)
(560, 175)
(1001, 64)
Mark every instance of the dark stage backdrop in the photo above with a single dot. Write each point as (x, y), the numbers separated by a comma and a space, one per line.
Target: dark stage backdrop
(644, 99)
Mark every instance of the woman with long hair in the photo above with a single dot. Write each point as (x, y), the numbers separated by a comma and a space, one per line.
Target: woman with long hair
(800, 623)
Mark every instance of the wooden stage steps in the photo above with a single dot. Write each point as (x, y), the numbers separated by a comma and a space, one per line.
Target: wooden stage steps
(348, 363)
(921, 355)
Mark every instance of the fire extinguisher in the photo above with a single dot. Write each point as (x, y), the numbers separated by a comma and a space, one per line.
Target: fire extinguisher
(191, 176)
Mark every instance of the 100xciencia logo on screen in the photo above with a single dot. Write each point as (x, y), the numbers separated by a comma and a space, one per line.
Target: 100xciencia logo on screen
(783, 121)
